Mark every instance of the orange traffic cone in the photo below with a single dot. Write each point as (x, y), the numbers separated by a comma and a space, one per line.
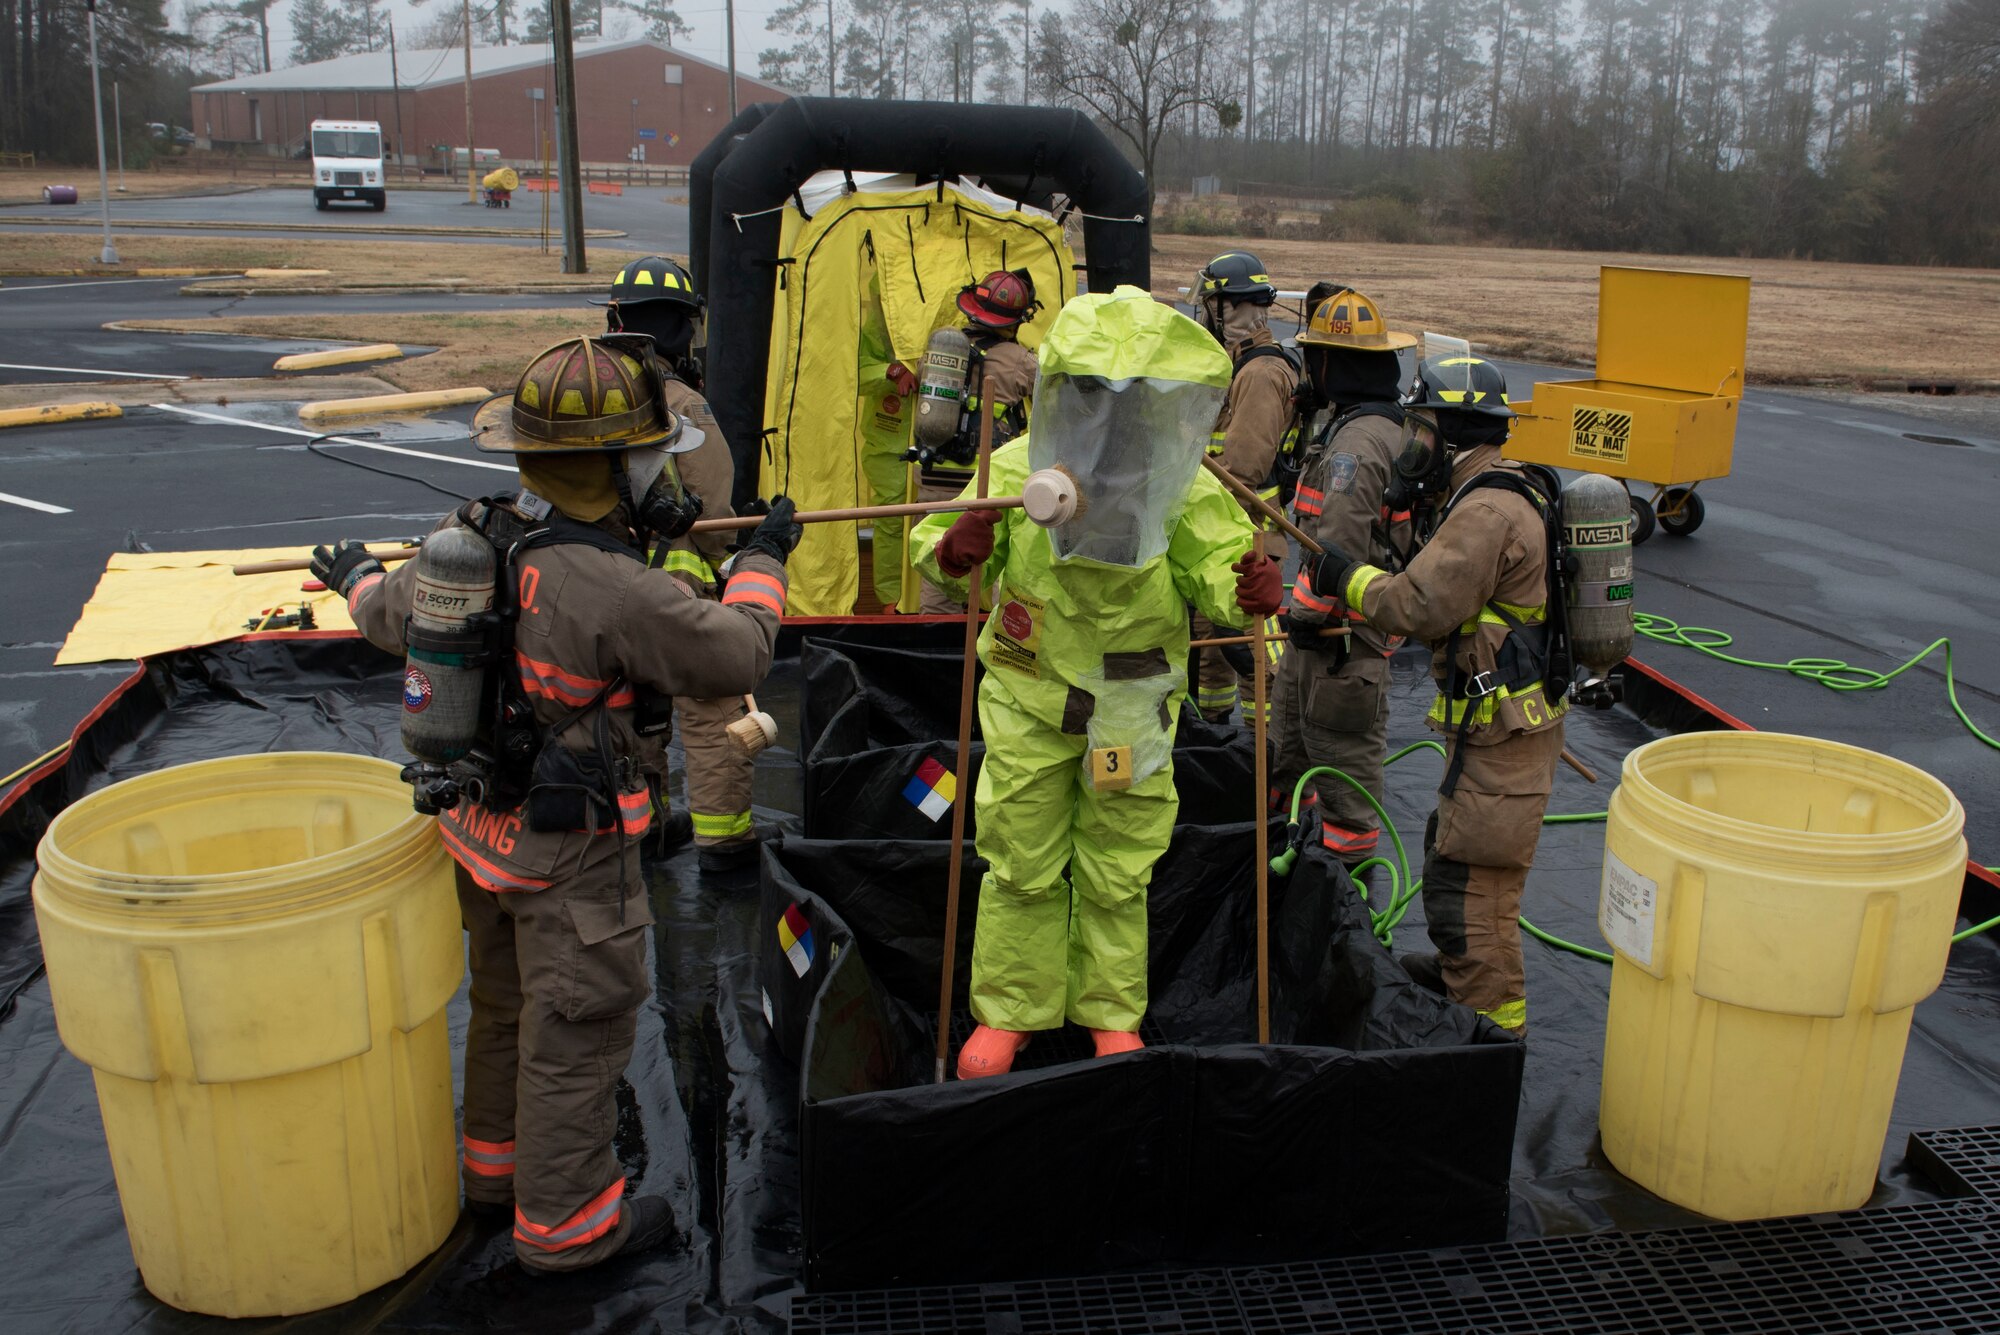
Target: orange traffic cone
(1111, 1042)
(990, 1052)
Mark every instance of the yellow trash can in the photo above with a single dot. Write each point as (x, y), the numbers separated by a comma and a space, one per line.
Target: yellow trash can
(253, 955)
(1776, 907)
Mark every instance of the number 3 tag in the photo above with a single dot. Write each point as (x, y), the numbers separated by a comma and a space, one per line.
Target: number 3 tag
(1111, 768)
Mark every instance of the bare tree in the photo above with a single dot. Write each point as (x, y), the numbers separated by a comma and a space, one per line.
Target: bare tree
(1136, 65)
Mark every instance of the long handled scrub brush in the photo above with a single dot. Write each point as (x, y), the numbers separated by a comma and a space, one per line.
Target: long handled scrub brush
(754, 732)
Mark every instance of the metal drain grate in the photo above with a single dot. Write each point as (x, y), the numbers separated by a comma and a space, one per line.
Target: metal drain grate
(1927, 1269)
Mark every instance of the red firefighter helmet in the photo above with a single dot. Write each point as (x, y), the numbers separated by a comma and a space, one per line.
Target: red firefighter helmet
(1001, 300)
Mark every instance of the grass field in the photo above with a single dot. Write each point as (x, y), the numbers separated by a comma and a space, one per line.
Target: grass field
(1809, 321)
(371, 263)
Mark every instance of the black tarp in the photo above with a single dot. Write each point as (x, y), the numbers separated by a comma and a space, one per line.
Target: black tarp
(1204, 1148)
(711, 1114)
(873, 717)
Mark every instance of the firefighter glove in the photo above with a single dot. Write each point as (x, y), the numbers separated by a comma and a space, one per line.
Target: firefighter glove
(902, 379)
(1260, 584)
(343, 565)
(1331, 573)
(967, 542)
(779, 533)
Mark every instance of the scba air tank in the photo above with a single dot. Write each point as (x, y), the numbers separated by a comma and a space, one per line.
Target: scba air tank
(941, 387)
(1597, 525)
(444, 675)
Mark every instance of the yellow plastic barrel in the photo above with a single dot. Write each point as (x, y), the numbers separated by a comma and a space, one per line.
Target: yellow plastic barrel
(501, 178)
(1776, 907)
(253, 955)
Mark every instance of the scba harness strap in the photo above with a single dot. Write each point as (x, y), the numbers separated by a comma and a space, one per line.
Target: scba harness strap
(562, 791)
(1533, 655)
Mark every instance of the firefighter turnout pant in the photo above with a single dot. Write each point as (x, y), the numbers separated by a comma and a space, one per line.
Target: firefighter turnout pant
(558, 977)
(1330, 712)
(715, 774)
(935, 601)
(1218, 686)
(1477, 850)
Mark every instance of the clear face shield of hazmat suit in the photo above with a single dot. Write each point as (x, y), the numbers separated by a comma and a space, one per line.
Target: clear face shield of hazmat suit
(1132, 445)
(1085, 655)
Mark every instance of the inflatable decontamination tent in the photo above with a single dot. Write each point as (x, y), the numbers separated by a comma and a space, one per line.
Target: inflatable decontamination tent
(871, 266)
(834, 238)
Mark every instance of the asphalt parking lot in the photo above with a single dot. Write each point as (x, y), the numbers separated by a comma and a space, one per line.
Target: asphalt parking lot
(652, 217)
(1842, 533)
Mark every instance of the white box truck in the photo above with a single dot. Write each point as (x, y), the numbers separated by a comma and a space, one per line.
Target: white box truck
(347, 163)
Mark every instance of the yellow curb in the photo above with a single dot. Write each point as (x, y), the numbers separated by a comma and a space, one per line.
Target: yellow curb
(305, 361)
(186, 273)
(59, 412)
(394, 403)
(288, 273)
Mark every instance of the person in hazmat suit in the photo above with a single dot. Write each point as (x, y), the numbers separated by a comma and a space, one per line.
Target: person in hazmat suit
(1001, 381)
(1233, 297)
(1477, 593)
(885, 408)
(1084, 655)
(549, 886)
(655, 298)
(1332, 702)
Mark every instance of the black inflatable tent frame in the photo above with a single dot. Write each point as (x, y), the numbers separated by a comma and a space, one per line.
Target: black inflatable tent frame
(739, 184)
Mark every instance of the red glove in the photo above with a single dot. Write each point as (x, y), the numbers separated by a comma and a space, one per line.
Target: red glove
(900, 377)
(968, 542)
(1260, 584)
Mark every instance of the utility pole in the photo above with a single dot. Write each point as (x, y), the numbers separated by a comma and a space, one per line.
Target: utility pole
(1027, 9)
(1250, 110)
(829, 48)
(118, 129)
(110, 253)
(396, 92)
(572, 165)
(729, 10)
(471, 155)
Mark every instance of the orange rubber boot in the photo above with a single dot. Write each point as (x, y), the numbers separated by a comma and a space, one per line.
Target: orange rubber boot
(1111, 1042)
(989, 1052)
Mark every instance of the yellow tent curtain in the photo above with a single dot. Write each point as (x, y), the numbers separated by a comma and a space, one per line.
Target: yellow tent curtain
(907, 253)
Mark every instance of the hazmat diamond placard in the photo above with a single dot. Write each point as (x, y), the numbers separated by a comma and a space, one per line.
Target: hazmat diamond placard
(931, 789)
(796, 936)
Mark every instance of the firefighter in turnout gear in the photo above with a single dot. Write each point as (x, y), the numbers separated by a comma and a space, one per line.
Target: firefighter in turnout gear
(656, 298)
(549, 883)
(1232, 298)
(1477, 592)
(1332, 701)
(1002, 382)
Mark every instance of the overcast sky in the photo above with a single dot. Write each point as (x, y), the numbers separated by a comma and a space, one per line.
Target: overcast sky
(705, 16)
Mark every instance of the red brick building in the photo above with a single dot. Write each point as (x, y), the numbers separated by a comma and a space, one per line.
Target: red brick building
(629, 94)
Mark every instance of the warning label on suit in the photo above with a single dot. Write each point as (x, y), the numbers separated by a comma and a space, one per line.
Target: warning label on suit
(1598, 433)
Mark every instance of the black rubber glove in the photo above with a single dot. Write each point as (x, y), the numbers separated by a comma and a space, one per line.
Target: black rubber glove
(343, 565)
(1306, 635)
(1331, 571)
(669, 514)
(779, 533)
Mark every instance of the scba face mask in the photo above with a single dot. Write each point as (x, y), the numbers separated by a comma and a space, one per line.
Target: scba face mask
(1133, 447)
(659, 497)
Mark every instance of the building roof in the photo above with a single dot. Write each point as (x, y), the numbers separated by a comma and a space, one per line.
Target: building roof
(369, 71)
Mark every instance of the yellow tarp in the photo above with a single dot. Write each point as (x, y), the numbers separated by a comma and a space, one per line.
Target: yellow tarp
(921, 249)
(156, 602)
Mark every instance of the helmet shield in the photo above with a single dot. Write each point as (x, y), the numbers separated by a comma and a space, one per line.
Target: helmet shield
(1134, 446)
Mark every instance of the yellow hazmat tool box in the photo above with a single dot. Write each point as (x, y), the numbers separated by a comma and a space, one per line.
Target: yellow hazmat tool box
(1662, 410)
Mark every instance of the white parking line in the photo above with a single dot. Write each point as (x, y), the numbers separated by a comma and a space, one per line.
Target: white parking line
(43, 506)
(334, 440)
(91, 370)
